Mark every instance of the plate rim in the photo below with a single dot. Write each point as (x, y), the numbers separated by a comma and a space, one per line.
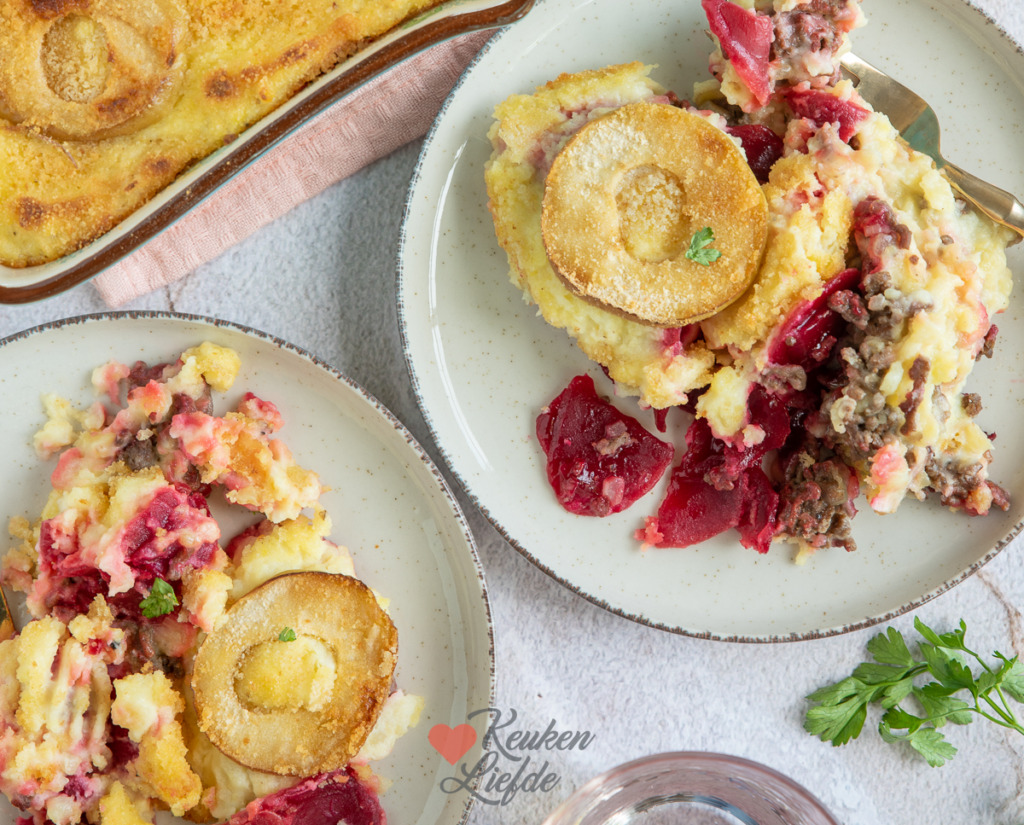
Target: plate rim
(755, 639)
(373, 404)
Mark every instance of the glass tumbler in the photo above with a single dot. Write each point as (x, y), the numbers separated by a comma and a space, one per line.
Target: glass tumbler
(691, 788)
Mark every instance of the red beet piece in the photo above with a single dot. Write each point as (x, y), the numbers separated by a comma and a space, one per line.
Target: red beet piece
(761, 146)
(599, 460)
(821, 108)
(722, 464)
(746, 39)
(768, 412)
(677, 339)
(759, 519)
(807, 336)
(694, 511)
(874, 229)
(327, 799)
(717, 486)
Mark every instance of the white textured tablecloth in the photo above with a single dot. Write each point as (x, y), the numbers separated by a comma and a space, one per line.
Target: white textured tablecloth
(323, 277)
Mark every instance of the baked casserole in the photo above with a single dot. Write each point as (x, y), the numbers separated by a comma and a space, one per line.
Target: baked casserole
(103, 103)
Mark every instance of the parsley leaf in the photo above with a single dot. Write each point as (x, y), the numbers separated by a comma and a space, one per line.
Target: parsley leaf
(928, 742)
(160, 601)
(890, 649)
(838, 712)
(837, 723)
(286, 635)
(700, 250)
(1013, 677)
(941, 707)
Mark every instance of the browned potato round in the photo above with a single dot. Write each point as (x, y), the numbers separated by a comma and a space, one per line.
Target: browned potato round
(301, 705)
(624, 199)
(86, 71)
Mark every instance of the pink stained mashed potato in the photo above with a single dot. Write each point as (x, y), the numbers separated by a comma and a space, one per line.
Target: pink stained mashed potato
(125, 572)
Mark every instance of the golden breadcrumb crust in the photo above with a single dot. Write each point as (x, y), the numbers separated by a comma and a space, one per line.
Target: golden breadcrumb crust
(625, 196)
(189, 77)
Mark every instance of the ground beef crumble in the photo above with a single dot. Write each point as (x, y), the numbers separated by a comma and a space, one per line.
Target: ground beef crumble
(815, 28)
(856, 420)
(802, 31)
(817, 499)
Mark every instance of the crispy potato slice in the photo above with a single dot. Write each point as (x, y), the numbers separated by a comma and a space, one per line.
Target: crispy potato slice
(90, 71)
(628, 193)
(302, 705)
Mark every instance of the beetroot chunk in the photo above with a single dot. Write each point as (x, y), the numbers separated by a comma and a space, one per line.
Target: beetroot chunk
(694, 511)
(875, 228)
(717, 486)
(807, 336)
(759, 520)
(746, 40)
(761, 146)
(821, 107)
(599, 460)
(327, 799)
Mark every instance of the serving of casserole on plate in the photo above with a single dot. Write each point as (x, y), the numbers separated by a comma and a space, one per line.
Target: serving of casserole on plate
(122, 526)
(485, 365)
(131, 113)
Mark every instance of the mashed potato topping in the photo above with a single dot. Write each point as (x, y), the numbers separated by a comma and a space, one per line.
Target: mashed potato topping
(875, 296)
(125, 574)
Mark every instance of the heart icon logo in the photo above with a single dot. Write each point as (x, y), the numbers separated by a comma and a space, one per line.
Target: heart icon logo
(452, 743)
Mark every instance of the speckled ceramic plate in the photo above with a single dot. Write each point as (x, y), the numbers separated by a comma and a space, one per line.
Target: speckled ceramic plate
(448, 20)
(483, 363)
(388, 503)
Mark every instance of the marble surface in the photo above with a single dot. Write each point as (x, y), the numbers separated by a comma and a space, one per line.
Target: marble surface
(323, 278)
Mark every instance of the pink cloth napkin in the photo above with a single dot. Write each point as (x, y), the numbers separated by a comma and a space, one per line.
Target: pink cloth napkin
(373, 121)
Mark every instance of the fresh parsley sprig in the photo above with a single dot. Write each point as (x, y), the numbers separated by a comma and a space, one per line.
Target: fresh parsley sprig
(700, 250)
(954, 693)
(160, 601)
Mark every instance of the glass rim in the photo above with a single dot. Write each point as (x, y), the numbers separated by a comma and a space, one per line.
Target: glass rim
(688, 765)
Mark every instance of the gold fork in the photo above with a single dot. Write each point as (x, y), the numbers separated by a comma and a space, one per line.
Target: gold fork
(6, 622)
(916, 121)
